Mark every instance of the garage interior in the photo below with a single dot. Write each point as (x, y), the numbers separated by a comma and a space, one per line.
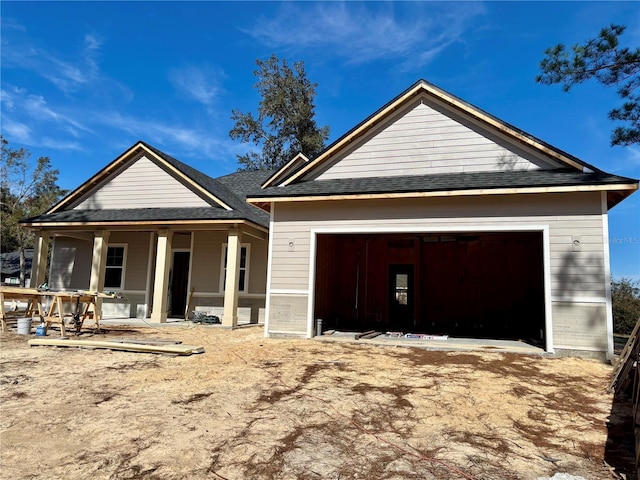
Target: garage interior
(482, 285)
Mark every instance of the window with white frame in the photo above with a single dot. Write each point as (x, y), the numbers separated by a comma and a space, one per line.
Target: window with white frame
(243, 274)
(114, 271)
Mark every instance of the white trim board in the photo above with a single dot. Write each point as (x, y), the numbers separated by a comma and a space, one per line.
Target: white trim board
(267, 303)
(607, 275)
(578, 299)
(287, 292)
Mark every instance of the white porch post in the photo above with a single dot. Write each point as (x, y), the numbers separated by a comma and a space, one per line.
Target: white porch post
(230, 315)
(98, 266)
(161, 282)
(39, 262)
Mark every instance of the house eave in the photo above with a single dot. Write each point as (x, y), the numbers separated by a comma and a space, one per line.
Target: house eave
(265, 201)
(248, 227)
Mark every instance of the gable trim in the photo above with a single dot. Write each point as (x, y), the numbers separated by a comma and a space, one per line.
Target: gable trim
(299, 159)
(104, 174)
(423, 88)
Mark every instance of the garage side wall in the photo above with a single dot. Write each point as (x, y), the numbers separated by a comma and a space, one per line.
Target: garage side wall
(576, 250)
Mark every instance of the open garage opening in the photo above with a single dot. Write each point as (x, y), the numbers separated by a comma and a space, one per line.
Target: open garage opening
(481, 284)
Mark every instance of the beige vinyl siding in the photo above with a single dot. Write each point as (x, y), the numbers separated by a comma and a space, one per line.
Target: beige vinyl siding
(205, 266)
(207, 258)
(257, 264)
(572, 272)
(143, 184)
(70, 264)
(421, 140)
(181, 241)
(137, 244)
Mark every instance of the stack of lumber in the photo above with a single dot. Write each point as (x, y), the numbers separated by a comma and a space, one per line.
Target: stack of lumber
(625, 379)
(624, 371)
(130, 346)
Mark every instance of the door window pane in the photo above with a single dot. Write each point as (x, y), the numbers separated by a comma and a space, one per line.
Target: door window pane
(402, 288)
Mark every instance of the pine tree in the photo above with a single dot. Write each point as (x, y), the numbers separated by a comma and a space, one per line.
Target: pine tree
(610, 64)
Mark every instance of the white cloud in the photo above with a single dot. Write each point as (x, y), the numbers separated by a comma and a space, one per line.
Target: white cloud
(17, 131)
(626, 162)
(160, 134)
(37, 108)
(362, 33)
(20, 106)
(21, 133)
(202, 84)
(6, 99)
(56, 144)
(70, 73)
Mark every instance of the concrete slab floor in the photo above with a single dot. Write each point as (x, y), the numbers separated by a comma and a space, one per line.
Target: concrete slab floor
(450, 344)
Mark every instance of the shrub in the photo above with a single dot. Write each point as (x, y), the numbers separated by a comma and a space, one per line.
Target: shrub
(625, 298)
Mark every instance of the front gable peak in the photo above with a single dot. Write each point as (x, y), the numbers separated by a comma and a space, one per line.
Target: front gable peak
(426, 130)
(143, 177)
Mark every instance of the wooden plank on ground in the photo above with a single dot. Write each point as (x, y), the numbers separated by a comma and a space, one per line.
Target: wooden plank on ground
(128, 347)
(146, 342)
(369, 335)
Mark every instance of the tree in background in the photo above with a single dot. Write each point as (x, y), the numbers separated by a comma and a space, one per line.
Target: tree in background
(625, 298)
(285, 125)
(601, 58)
(26, 190)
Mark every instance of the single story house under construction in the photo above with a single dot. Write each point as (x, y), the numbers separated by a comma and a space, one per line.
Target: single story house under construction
(430, 216)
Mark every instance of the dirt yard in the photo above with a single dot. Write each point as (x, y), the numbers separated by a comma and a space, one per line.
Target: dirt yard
(252, 408)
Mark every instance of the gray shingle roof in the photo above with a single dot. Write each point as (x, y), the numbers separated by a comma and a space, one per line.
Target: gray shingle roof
(442, 183)
(140, 214)
(10, 262)
(243, 183)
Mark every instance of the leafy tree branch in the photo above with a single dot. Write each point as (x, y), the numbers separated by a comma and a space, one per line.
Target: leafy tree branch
(285, 122)
(26, 190)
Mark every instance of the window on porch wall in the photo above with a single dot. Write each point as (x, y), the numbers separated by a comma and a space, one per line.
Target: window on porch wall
(243, 275)
(114, 270)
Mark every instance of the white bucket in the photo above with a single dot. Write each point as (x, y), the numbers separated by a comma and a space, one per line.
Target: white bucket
(24, 326)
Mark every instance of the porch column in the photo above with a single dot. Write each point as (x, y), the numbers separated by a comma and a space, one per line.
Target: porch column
(39, 262)
(98, 267)
(230, 315)
(161, 282)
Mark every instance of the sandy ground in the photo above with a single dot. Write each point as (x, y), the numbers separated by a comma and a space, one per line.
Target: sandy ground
(252, 408)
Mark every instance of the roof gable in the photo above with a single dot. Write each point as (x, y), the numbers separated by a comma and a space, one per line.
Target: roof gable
(423, 139)
(146, 177)
(141, 184)
(517, 148)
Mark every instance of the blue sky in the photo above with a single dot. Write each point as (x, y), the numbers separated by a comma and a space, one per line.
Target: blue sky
(82, 81)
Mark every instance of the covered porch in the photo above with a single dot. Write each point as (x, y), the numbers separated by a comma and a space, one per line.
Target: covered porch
(159, 270)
